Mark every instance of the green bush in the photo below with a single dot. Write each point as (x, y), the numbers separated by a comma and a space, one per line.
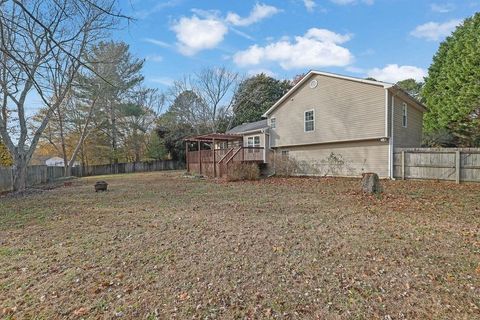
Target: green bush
(243, 171)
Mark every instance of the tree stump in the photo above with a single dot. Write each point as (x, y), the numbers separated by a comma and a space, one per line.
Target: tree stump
(101, 186)
(371, 183)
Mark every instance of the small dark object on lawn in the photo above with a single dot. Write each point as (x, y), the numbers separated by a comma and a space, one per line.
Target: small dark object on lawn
(371, 183)
(67, 184)
(101, 186)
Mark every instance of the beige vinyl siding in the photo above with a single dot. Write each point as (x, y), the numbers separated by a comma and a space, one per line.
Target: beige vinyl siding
(411, 136)
(344, 110)
(359, 157)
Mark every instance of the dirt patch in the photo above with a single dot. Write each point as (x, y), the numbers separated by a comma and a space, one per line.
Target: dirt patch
(159, 246)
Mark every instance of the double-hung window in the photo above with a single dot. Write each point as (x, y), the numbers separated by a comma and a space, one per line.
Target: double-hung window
(404, 115)
(253, 142)
(309, 118)
(273, 123)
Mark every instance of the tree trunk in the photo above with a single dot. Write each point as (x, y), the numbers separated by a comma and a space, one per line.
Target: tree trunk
(113, 123)
(371, 183)
(62, 141)
(19, 173)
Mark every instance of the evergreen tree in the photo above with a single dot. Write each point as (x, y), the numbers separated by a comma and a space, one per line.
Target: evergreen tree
(256, 95)
(452, 88)
(411, 86)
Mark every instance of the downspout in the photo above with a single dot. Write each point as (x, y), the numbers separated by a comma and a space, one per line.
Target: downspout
(389, 136)
(391, 142)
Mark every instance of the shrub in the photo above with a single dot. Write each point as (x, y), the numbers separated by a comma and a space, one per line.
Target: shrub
(243, 171)
(285, 166)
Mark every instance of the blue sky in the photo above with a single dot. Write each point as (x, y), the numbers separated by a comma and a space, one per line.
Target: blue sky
(387, 39)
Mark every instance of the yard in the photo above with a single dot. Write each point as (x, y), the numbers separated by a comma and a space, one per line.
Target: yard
(160, 245)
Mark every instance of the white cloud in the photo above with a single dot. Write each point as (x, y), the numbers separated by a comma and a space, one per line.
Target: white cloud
(354, 69)
(206, 29)
(442, 8)
(259, 12)
(310, 5)
(267, 72)
(346, 2)
(154, 58)
(157, 42)
(393, 73)
(317, 48)
(195, 34)
(434, 31)
(165, 81)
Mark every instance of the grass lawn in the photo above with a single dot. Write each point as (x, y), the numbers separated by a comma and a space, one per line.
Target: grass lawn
(161, 246)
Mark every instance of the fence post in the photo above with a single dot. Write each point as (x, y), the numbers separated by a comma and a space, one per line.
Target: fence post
(403, 165)
(457, 166)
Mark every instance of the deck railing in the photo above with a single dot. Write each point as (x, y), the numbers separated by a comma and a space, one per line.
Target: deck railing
(216, 162)
(241, 154)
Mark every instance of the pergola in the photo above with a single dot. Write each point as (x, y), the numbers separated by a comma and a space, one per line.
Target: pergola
(209, 138)
(212, 137)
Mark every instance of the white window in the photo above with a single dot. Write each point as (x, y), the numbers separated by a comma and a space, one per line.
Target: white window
(253, 141)
(309, 121)
(273, 123)
(285, 153)
(404, 115)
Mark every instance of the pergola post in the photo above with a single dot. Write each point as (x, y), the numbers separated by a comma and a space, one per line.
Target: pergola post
(200, 155)
(214, 160)
(187, 157)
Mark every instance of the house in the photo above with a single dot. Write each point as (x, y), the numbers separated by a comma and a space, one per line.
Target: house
(331, 124)
(57, 162)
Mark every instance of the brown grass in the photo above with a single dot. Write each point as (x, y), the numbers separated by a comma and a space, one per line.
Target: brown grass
(163, 246)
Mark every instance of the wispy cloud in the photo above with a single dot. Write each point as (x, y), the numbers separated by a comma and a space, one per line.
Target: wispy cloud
(157, 42)
(309, 5)
(434, 31)
(442, 7)
(242, 34)
(159, 6)
(259, 12)
(347, 2)
(154, 58)
(165, 81)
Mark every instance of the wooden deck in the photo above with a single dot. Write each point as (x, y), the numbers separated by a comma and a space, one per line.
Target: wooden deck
(215, 163)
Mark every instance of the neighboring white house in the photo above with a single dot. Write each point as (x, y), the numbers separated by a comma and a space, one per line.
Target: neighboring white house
(58, 162)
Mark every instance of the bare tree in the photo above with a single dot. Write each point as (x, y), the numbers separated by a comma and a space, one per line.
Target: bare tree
(216, 87)
(42, 48)
(205, 99)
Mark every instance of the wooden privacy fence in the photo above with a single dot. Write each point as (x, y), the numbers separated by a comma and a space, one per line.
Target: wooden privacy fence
(455, 164)
(130, 167)
(37, 175)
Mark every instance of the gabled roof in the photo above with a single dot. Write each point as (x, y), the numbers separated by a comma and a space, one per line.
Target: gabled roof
(327, 74)
(311, 73)
(247, 127)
